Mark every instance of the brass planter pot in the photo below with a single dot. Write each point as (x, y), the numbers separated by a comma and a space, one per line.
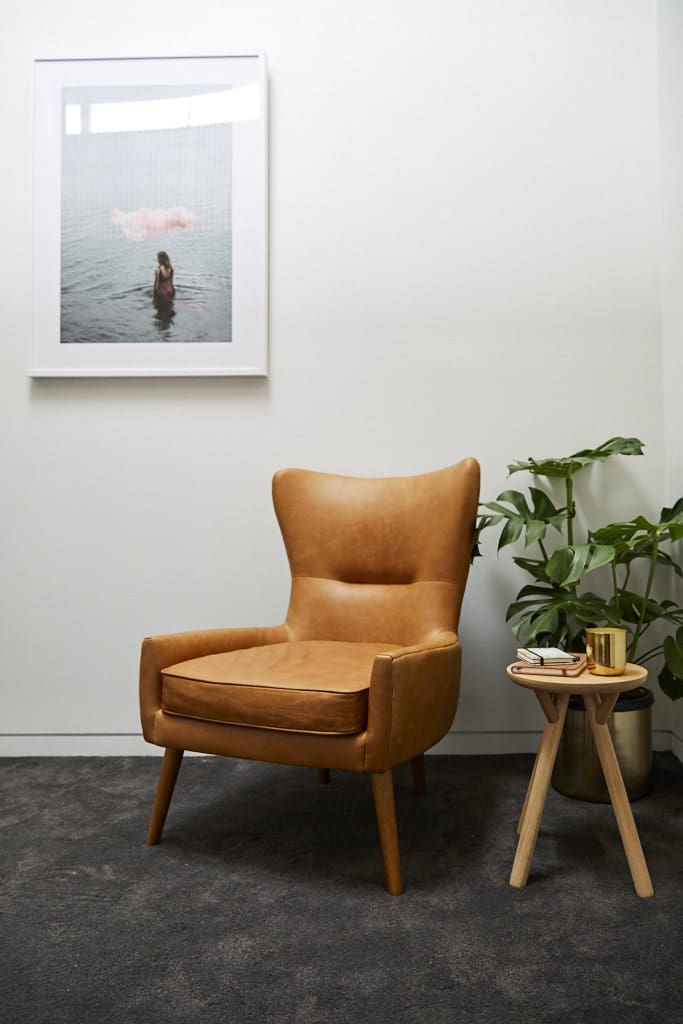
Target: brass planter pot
(577, 770)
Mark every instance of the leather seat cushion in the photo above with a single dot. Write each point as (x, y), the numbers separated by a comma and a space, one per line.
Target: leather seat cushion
(300, 686)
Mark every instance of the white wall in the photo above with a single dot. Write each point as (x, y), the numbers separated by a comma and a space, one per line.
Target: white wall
(671, 93)
(464, 212)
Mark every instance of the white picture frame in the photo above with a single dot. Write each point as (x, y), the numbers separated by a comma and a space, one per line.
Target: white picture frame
(131, 157)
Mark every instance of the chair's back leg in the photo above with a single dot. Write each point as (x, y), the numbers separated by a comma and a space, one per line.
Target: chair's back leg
(385, 808)
(170, 767)
(418, 766)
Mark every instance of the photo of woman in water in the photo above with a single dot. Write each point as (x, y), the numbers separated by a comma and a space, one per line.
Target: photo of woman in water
(163, 290)
(168, 182)
(151, 240)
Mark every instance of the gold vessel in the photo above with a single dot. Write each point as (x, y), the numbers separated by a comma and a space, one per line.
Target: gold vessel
(578, 772)
(606, 651)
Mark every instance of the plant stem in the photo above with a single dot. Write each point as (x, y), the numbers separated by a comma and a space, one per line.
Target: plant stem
(615, 584)
(569, 485)
(646, 598)
(654, 652)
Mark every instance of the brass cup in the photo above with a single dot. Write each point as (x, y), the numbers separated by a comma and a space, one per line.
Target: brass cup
(606, 651)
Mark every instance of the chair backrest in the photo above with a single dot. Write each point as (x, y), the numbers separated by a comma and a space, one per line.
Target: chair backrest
(377, 560)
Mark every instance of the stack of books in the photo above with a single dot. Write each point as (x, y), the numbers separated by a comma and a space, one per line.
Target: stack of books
(549, 661)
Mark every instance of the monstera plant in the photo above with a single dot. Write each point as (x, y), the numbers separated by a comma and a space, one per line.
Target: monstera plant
(634, 561)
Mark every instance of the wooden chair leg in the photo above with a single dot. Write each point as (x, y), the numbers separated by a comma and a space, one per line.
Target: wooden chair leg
(323, 775)
(170, 767)
(385, 808)
(418, 768)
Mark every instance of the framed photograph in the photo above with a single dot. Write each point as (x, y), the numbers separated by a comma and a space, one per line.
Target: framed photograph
(151, 233)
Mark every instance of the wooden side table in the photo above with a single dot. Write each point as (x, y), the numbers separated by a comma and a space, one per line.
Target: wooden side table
(599, 695)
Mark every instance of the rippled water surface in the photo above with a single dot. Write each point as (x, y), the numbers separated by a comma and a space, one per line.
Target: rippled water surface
(107, 274)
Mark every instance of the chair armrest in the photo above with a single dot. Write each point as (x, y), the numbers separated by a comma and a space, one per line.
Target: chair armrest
(412, 701)
(158, 652)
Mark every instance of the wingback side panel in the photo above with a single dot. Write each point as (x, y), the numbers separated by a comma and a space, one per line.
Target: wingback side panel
(377, 559)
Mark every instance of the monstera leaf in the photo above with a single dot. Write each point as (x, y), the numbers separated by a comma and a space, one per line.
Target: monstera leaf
(521, 518)
(568, 565)
(570, 465)
(639, 538)
(557, 616)
(671, 676)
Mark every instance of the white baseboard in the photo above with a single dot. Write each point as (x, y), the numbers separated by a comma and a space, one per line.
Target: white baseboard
(488, 743)
(133, 745)
(77, 745)
(527, 743)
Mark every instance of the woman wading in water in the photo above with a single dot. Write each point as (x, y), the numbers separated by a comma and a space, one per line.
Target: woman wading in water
(163, 290)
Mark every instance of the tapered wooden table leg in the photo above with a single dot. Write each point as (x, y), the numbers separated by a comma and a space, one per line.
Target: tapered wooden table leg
(537, 792)
(617, 792)
(170, 767)
(520, 823)
(549, 704)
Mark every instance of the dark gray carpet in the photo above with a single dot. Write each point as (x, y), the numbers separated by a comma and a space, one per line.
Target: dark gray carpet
(265, 900)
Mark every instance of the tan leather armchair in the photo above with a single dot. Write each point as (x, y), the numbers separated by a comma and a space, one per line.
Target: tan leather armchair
(363, 674)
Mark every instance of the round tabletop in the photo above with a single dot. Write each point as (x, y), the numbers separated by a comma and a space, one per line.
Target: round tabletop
(586, 682)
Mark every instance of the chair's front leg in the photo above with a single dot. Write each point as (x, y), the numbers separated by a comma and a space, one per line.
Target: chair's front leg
(385, 808)
(170, 767)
